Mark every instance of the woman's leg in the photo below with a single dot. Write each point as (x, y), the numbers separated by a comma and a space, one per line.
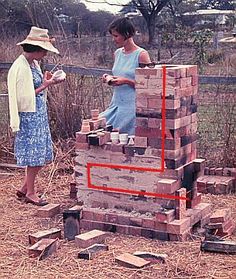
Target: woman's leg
(23, 188)
(31, 174)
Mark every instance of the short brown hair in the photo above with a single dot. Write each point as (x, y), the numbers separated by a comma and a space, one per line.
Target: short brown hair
(123, 26)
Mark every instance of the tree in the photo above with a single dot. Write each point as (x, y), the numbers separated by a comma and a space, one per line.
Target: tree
(150, 10)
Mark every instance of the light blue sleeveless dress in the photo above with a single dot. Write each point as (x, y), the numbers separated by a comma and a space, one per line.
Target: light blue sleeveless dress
(121, 111)
(33, 144)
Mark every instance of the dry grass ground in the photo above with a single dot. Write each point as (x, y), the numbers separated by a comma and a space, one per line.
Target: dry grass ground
(185, 260)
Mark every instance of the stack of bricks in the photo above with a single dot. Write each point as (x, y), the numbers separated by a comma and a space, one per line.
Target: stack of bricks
(217, 181)
(221, 223)
(180, 112)
(151, 198)
(93, 131)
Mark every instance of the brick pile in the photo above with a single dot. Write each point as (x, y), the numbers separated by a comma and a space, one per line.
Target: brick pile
(143, 214)
(221, 223)
(217, 181)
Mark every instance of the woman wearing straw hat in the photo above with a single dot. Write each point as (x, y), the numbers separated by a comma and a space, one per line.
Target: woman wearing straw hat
(28, 111)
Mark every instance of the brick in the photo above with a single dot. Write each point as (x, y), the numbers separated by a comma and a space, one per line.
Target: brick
(165, 216)
(148, 223)
(136, 231)
(129, 260)
(99, 216)
(180, 237)
(142, 122)
(219, 171)
(111, 218)
(43, 248)
(205, 208)
(49, 210)
(135, 221)
(161, 227)
(87, 214)
(122, 229)
(140, 141)
(220, 215)
(141, 102)
(53, 233)
(167, 186)
(180, 210)
(178, 226)
(82, 137)
(89, 238)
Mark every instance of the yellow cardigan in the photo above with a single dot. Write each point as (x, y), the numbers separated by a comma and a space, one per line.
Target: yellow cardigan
(21, 90)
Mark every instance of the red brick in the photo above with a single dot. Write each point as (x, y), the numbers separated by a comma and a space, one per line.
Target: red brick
(43, 248)
(135, 221)
(140, 141)
(180, 237)
(161, 227)
(111, 218)
(148, 223)
(136, 231)
(49, 210)
(99, 216)
(178, 226)
(122, 229)
(51, 234)
(180, 204)
(123, 220)
(129, 260)
(89, 238)
(167, 186)
(220, 215)
(82, 137)
(141, 102)
(87, 214)
(165, 216)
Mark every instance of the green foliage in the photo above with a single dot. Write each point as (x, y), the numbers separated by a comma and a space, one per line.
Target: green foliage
(201, 40)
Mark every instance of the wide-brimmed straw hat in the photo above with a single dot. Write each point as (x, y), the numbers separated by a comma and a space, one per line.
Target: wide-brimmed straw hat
(39, 37)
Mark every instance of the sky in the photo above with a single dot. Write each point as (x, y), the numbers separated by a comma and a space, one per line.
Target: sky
(100, 5)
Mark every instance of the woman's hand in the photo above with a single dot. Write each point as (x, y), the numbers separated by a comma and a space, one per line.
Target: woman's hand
(49, 80)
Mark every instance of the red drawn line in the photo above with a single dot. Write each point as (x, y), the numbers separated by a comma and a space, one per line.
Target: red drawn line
(134, 192)
(163, 113)
(111, 166)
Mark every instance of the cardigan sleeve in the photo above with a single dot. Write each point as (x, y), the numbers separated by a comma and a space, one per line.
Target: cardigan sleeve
(13, 107)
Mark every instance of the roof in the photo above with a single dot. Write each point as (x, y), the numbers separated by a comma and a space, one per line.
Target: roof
(211, 12)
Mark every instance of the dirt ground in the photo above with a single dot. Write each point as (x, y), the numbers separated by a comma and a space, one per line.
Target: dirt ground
(18, 220)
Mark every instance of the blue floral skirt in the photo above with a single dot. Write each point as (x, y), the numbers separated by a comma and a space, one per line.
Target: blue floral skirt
(33, 143)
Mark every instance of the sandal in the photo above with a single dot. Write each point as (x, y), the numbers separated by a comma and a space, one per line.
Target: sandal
(21, 195)
(38, 203)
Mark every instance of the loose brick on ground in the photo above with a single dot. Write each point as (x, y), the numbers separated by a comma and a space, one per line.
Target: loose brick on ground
(129, 260)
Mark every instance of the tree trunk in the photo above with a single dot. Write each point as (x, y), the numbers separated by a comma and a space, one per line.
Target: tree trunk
(151, 25)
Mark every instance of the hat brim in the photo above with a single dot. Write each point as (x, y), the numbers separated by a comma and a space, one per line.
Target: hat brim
(45, 45)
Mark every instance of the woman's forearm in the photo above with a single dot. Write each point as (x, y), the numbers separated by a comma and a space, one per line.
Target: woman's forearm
(130, 82)
(40, 89)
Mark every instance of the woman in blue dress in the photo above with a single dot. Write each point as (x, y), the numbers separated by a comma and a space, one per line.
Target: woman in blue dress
(28, 110)
(121, 111)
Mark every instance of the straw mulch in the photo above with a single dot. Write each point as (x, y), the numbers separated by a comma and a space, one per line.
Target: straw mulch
(18, 220)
